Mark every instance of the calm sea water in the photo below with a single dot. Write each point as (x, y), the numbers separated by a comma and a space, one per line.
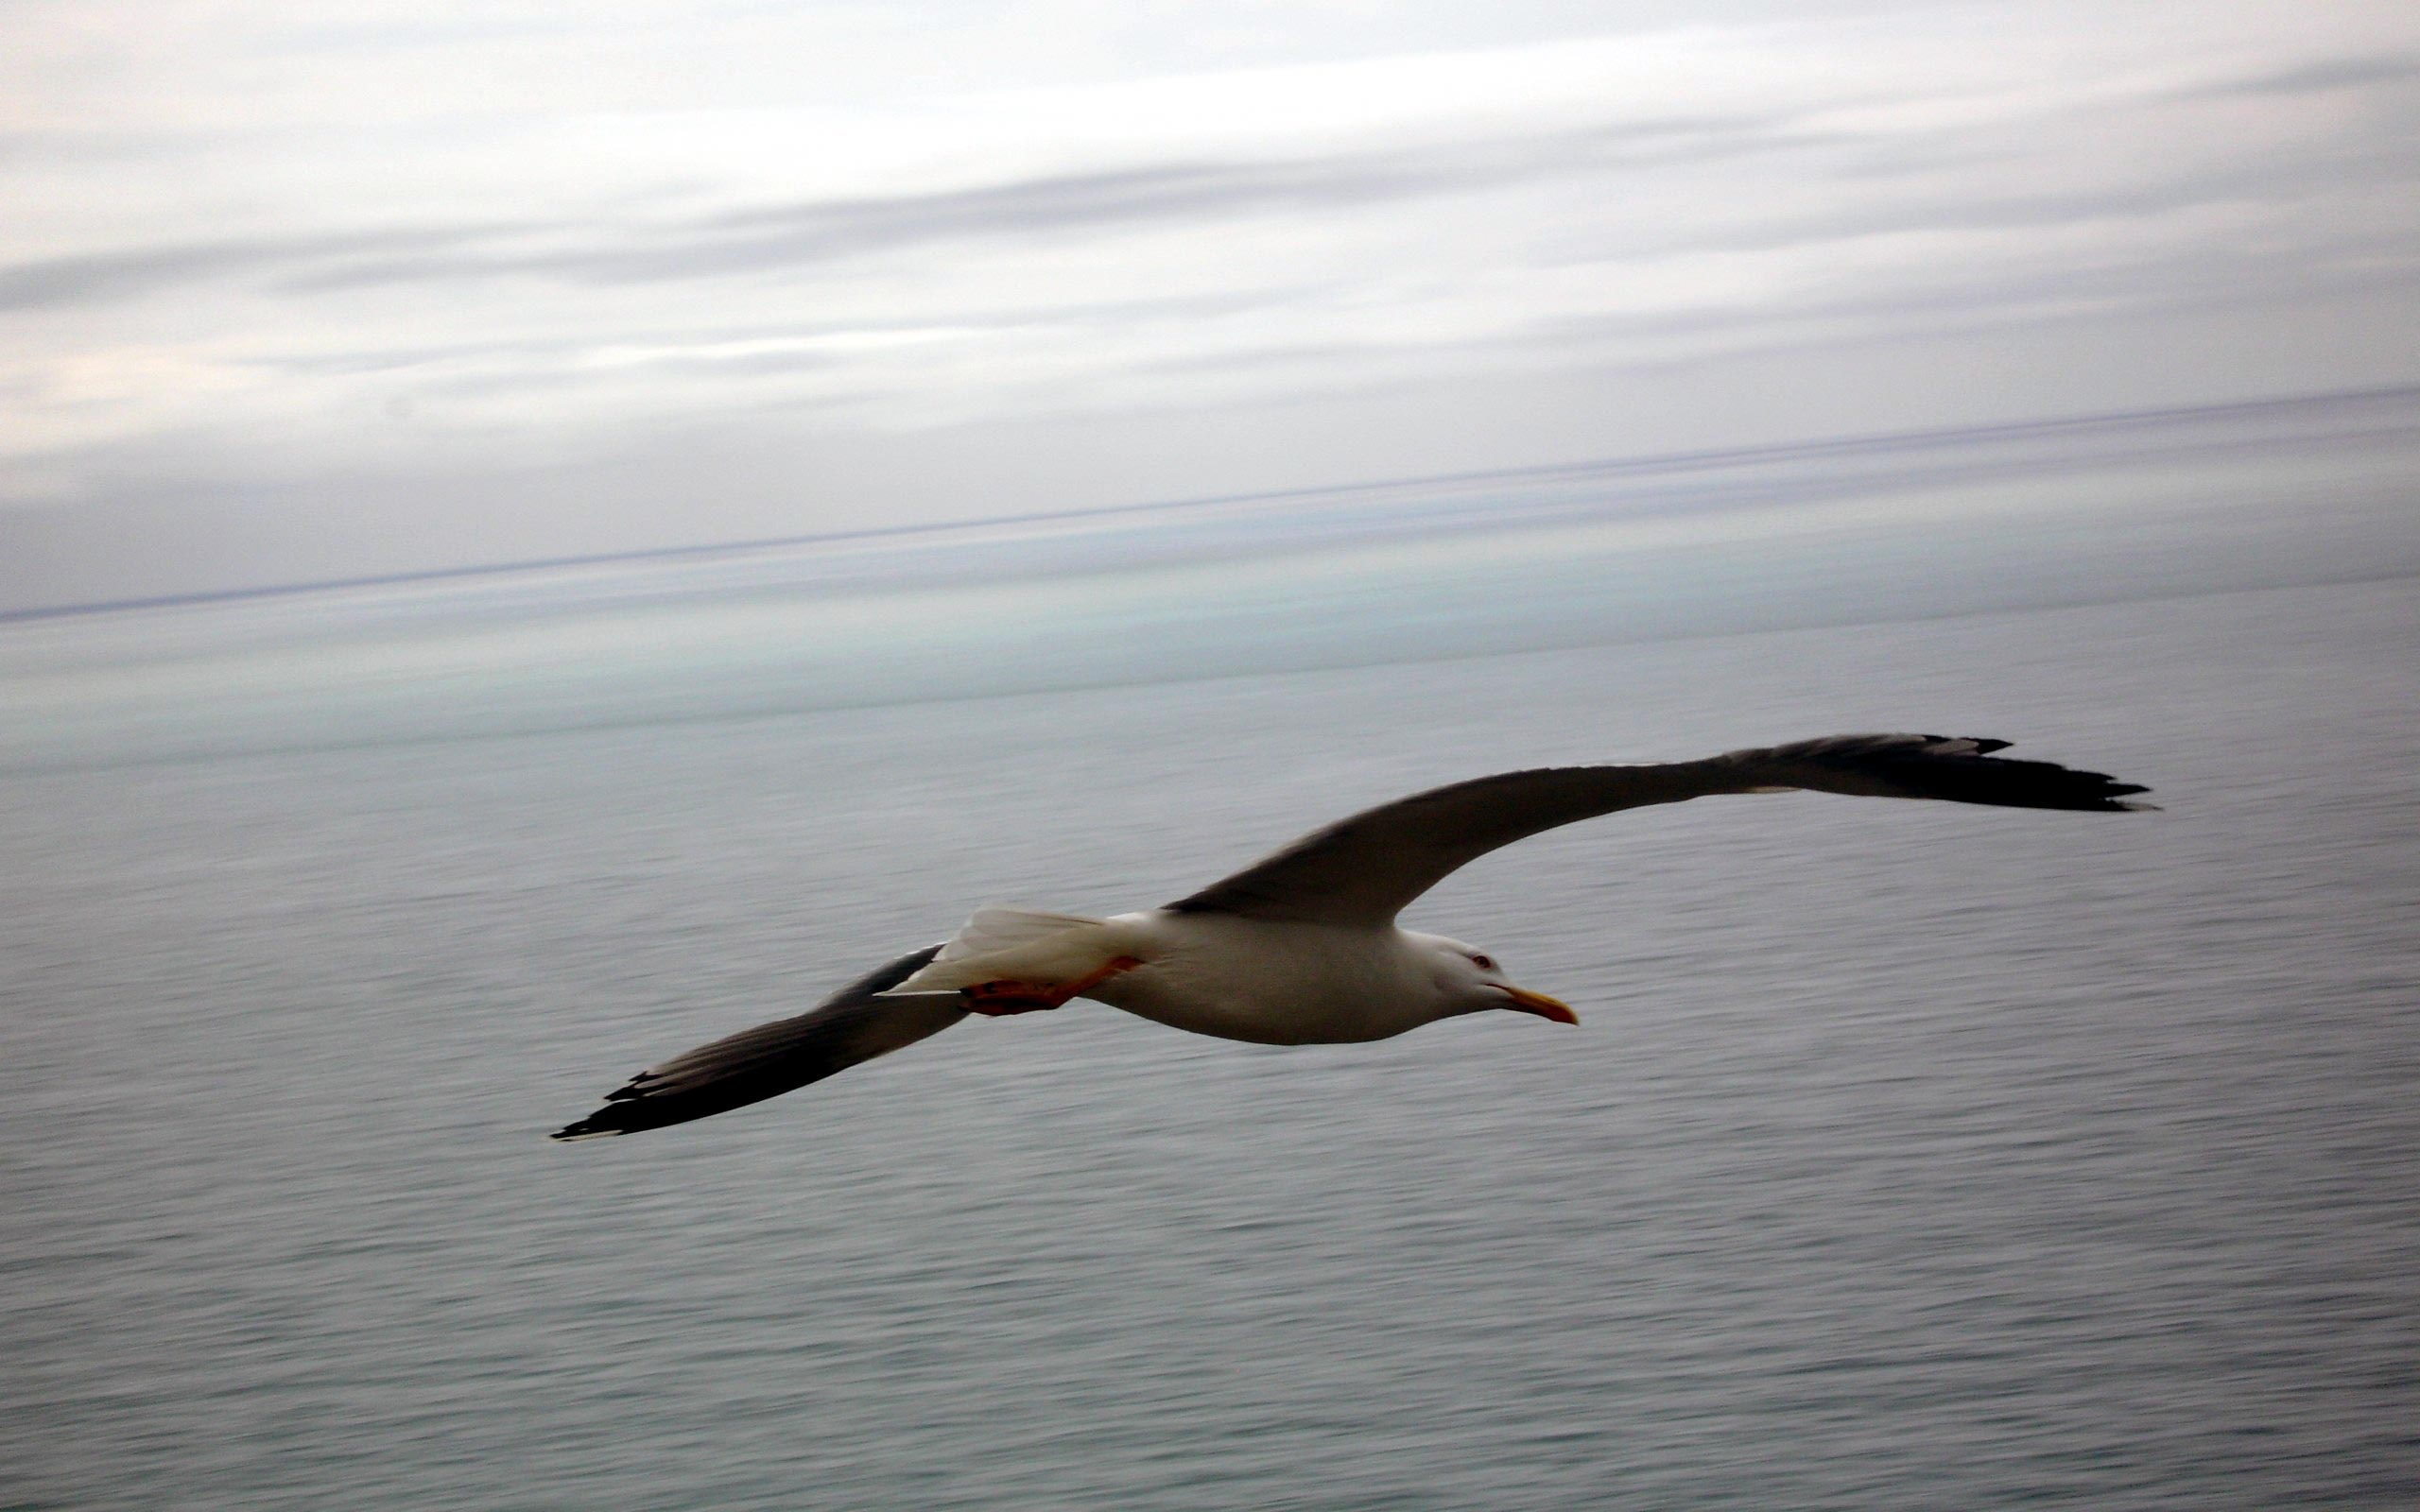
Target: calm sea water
(1909, 1155)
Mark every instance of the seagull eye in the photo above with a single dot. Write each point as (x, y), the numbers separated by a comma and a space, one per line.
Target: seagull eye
(1483, 963)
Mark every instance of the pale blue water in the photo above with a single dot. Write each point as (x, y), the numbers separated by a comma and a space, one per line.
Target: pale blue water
(1872, 530)
(1909, 1156)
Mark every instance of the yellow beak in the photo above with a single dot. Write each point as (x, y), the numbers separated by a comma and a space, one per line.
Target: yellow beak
(1538, 1003)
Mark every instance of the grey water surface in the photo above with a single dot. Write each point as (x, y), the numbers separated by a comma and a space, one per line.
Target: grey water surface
(1909, 1156)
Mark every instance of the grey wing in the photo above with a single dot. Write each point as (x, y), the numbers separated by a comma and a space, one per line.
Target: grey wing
(1364, 869)
(850, 1026)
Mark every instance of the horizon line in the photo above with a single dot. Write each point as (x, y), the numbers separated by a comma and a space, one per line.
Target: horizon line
(1636, 463)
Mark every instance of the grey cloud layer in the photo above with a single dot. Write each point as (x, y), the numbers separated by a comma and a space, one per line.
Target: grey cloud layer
(99, 277)
(814, 232)
(805, 234)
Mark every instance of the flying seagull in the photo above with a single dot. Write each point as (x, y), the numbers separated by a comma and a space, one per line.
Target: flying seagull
(1300, 947)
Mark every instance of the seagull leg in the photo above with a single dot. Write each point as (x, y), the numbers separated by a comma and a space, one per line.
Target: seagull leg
(998, 1000)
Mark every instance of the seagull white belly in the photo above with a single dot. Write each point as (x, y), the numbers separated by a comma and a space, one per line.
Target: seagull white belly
(1270, 983)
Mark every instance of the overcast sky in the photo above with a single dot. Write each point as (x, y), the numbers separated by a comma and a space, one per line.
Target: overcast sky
(309, 289)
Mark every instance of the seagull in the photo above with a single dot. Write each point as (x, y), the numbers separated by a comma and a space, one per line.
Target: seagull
(1301, 946)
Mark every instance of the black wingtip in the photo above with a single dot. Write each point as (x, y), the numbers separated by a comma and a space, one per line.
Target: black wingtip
(621, 1114)
(1961, 770)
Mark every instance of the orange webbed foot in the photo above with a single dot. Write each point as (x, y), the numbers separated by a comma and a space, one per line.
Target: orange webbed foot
(998, 1000)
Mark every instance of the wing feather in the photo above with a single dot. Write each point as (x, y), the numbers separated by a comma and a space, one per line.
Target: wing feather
(1364, 869)
(852, 1025)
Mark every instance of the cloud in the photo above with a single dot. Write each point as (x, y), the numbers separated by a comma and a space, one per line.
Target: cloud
(98, 277)
(2323, 74)
(252, 271)
(824, 231)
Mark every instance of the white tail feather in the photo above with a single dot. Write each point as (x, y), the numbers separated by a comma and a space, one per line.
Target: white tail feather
(993, 930)
(1008, 943)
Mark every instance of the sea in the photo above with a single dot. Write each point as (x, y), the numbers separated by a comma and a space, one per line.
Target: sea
(1907, 1155)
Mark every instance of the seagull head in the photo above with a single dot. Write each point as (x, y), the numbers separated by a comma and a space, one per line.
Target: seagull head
(1469, 981)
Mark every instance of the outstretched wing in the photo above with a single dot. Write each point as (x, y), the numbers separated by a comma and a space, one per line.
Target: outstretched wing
(851, 1025)
(1364, 869)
